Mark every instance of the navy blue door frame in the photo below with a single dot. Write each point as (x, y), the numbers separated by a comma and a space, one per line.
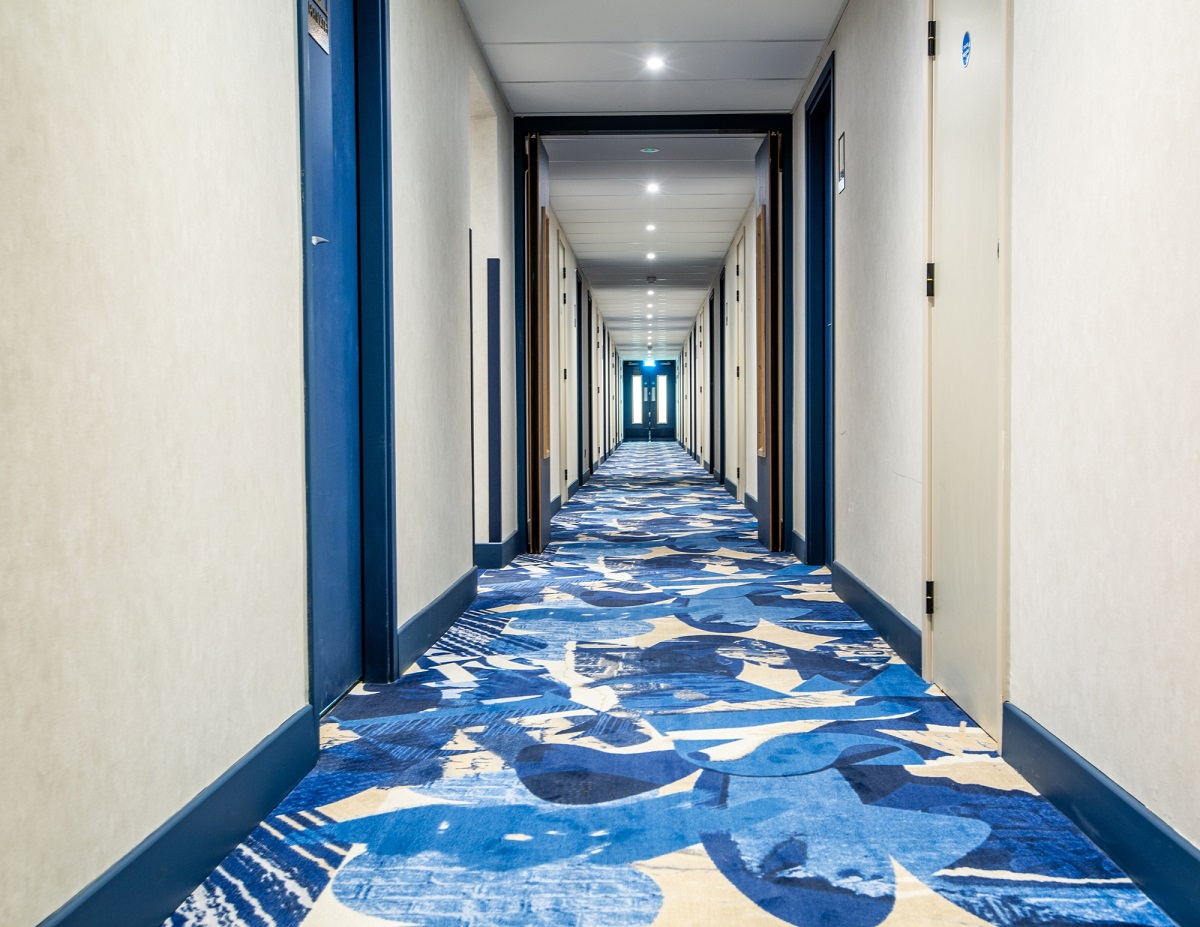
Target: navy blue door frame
(371, 106)
(694, 430)
(333, 420)
(721, 322)
(658, 125)
(817, 544)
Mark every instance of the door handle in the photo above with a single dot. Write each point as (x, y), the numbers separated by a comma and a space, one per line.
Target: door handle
(318, 240)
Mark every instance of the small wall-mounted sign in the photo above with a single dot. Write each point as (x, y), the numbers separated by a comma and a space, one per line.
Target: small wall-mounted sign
(966, 48)
(841, 162)
(318, 23)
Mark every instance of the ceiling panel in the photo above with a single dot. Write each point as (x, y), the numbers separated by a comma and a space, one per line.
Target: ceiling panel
(676, 148)
(660, 216)
(659, 21)
(593, 61)
(677, 96)
(696, 199)
(635, 187)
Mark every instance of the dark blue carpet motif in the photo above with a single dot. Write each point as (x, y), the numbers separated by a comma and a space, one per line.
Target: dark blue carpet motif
(659, 723)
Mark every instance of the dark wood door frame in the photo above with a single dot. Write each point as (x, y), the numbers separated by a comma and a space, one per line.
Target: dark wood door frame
(537, 329)
(774, 402)
(580, 386)
(721, 323)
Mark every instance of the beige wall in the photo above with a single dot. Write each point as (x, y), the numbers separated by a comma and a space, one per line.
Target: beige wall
(490, 163)
(1105, 416)
(880, 103)
(152, 543)
(433, 58)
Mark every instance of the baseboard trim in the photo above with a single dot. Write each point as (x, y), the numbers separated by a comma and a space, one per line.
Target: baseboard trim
(555, 505)
(751, 504)
(572, 488)
(492, 556)
(799, 547)
(730, 487)
(426, 626)
(1162, 863)
(901, 634)
(146, 886)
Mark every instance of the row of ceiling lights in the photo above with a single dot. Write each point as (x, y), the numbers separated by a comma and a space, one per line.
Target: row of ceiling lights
(653, 63)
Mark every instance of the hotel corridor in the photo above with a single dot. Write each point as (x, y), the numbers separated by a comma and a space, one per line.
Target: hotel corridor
(658, 722)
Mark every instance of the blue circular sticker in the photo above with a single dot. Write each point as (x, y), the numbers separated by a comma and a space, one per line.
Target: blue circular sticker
(966, 48)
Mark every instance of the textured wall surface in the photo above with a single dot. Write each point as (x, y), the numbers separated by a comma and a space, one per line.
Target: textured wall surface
(1105, 419)
(152, 538)
(880, 89)
(433, 55)
(490, 134)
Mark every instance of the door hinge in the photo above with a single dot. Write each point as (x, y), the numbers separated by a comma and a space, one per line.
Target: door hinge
(739, 472)
(738, 370)
(564, 475)
(931, 37)
(564, 270)
(929, 280)
(929, 597)
(564, 373)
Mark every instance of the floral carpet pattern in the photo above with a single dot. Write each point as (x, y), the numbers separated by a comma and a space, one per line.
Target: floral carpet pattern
(657, 722)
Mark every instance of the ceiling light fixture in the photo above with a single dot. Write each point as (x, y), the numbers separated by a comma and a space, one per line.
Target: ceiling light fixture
(650, 256)
(649, 292)
(648, 150)
(651, 228)
(649, 315)
(655, 63)
(651, 188)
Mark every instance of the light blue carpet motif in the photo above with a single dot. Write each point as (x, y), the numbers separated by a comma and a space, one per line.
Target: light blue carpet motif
(657, 722)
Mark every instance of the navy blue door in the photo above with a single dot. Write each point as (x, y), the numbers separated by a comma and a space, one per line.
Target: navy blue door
(334, 424)
(649, 401)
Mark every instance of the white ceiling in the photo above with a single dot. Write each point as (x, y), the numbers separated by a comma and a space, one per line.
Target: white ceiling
(571, 57)
(588, 56)
(598, 192)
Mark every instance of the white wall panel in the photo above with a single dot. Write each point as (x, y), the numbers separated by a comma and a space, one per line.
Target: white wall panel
(880, 103)
(433, 55)
(152, 534)
(1105, 419)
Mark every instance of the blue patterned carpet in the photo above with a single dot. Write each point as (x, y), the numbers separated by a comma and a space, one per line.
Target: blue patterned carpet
(659, 723)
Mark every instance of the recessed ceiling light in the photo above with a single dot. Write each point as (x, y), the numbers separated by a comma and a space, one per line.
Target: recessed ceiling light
(649, 315)
(650, 256)
(649, 292)
(651, 188)
(651, 228)
(648, 150)
(655, 63)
